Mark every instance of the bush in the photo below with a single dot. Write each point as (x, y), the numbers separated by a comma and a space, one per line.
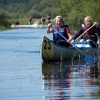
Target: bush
(3, 20)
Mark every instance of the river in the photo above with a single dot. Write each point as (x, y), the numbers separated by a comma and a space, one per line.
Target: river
(24, 76)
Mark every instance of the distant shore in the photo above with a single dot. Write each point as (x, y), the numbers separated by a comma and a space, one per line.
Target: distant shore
(21, 22)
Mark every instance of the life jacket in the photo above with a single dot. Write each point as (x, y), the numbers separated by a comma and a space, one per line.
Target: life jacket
(43, 19)
(62, 31)
(90, 34)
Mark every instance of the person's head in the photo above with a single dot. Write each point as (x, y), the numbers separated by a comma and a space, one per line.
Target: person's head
(88, 21)
(59, 21)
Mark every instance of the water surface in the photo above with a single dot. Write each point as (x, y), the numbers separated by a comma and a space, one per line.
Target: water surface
(24, 76)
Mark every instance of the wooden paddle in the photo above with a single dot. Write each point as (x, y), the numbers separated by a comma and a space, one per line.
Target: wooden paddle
(86, 31)
(87, 56)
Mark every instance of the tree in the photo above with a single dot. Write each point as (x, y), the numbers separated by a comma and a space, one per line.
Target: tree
(74, 11)
(3, 19)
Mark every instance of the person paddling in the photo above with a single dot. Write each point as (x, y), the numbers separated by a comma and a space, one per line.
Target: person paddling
(90, 35)
(60, 28)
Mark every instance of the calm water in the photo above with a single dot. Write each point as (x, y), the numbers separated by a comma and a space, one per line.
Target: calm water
(23, 75)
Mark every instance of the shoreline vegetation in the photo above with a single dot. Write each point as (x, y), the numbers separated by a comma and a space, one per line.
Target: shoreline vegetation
(22, 21)
(25, 21)
(3, 21)
(8, 22)
(72, 11)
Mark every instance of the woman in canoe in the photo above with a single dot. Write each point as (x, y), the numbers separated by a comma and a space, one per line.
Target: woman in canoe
(90, 35)
(60, 30)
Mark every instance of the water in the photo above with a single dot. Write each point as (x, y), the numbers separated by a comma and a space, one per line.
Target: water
(24, 76)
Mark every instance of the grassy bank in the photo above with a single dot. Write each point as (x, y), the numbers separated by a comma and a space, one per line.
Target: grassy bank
(21, 21)
(3, 27)
(24, 21)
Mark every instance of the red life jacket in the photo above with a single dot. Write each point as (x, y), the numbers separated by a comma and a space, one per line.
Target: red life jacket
(89, 34)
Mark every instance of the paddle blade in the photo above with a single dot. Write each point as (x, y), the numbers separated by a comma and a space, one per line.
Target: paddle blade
(89, 57)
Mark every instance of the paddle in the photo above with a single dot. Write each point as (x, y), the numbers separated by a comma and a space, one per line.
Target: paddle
(87, 56)
(86, 31)
(97, 37)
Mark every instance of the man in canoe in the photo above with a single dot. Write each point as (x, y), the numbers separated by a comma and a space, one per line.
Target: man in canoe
(17, 23)
(48, 19)
(59, 31)
(88, 31)
(43, 20)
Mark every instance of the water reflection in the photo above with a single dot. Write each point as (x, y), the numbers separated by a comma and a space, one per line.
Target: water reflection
(70, 80)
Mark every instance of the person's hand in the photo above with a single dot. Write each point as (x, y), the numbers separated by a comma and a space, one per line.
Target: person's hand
(70, 40)
(49, 25)
(96, 24)
(50, 28)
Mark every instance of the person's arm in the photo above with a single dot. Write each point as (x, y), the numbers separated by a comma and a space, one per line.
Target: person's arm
(72, 39)
(98, 31)
(97, 28)
(69, 37)
(80, 31)
(69, 34)
(49, 28)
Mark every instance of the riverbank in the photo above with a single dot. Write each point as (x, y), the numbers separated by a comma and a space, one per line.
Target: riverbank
(3, 27)
(25, 21)
(21, 22)
(12, 21)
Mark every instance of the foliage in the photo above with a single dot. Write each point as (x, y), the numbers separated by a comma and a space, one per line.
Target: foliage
(3, 19)
(74, 11)
(26, 8)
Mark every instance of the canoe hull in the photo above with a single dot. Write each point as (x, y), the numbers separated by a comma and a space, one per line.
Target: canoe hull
(53, 52)
(29, 26)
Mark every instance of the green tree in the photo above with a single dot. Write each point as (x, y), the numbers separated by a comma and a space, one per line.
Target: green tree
(21, 8)
(74, 11)
(3, 20)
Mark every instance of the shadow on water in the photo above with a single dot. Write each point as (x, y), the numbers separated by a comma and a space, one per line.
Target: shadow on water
(71, 80)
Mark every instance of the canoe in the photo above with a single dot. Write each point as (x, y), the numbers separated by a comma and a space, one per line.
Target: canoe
(28, 26)
(53, 52)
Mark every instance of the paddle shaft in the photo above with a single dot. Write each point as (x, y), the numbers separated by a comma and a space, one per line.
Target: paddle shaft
(71, 43)
(84, 32)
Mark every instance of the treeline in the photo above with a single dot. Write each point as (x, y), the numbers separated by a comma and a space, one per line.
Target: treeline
(25, 8)
(74, 11)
